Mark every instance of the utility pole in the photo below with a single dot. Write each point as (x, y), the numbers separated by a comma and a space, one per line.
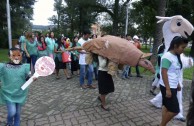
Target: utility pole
(9, 25)
(127, 16)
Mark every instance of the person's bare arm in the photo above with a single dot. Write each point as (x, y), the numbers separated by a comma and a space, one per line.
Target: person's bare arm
(166, 82)
(26, 51)
(57, 51)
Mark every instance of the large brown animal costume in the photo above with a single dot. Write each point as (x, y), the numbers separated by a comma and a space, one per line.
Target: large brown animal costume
(118, 51)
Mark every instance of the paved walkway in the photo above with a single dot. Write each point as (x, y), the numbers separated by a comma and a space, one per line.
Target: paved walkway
(62, 102)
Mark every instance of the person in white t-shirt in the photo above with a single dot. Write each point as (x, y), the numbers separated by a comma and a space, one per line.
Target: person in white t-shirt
(157, 100)
(169, 82)
(83, 65)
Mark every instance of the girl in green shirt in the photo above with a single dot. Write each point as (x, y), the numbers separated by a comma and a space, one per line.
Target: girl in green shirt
(13, 75)
(30, 48)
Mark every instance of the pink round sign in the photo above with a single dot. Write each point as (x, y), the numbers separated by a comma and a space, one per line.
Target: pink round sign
(44, 66)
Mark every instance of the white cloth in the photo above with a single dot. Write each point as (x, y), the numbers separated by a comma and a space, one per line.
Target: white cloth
(82, 56)
(156, 82)
(187, 63)
(102, 64)
(173, 71)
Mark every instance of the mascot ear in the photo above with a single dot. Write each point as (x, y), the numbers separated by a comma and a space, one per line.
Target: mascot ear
(163, 19)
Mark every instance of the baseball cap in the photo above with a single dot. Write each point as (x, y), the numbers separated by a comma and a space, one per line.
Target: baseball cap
(135, 37)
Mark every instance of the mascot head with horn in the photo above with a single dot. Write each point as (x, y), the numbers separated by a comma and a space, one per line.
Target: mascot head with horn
(174, 26)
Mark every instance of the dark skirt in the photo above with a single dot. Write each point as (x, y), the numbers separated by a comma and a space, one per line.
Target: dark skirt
(171, 103)
(105, 83)
(74, 65)
(59, 64)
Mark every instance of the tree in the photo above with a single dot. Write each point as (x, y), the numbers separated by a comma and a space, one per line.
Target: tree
(21, 13)
(158, 30)
(85, 13)
(142, 15)
(115, 9)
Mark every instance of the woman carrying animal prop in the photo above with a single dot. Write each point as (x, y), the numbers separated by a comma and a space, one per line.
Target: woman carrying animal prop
(11, 93)
(105, 82)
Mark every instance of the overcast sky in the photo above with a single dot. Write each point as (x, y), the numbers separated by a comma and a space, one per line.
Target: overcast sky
(43, 9)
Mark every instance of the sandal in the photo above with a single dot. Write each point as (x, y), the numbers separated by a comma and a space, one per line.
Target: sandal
(106, 109)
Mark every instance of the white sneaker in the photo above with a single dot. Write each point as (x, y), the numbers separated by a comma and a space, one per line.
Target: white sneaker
(155, 104)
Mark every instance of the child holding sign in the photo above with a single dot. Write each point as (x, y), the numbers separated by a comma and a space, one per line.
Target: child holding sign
(11, 93)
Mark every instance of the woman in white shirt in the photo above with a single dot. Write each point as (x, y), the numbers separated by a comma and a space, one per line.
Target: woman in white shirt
(169, 82)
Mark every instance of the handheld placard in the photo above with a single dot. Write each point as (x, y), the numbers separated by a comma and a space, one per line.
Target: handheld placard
(44, 66)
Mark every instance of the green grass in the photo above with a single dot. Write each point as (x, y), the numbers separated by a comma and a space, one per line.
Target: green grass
(4, 55)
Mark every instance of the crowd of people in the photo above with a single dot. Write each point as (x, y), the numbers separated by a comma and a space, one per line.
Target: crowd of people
(32, 46)
(35, 46)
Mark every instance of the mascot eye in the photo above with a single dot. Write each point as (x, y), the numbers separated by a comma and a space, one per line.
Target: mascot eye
(178, 23)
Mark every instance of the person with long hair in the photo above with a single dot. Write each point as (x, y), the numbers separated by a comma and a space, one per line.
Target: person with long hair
(30, 48)
(42, 47)
(59, 49)
(170, 73)
(74, 57)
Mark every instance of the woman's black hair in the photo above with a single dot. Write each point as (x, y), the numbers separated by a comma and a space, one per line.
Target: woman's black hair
(73, 42)
(178, 40)
(59, 42)
(39, 39)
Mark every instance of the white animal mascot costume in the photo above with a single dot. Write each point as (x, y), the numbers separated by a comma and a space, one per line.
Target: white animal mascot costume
(175, 26)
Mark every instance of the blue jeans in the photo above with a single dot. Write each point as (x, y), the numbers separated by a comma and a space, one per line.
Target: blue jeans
(32, 60)
(125, 71)
(89, 75)
(13, 113)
